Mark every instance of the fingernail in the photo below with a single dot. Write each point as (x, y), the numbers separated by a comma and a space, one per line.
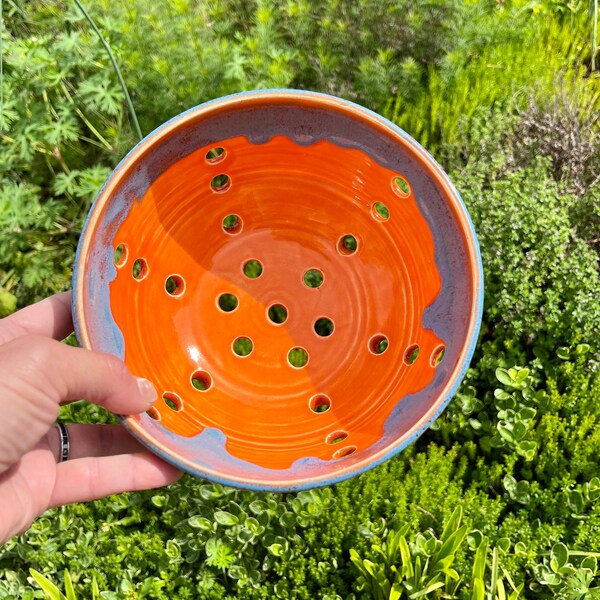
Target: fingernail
(147, 390)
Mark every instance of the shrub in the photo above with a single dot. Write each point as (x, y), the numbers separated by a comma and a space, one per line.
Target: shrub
(541, 281)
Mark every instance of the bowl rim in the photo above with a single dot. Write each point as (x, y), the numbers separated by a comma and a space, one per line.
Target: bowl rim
(380, 123)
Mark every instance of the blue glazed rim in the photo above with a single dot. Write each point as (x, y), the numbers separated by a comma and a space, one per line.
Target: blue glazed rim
(457, 374)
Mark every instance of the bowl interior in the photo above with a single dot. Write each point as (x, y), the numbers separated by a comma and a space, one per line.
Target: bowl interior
(296, 276)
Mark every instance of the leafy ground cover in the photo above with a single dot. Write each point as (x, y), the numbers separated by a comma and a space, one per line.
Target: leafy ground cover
(499, 499)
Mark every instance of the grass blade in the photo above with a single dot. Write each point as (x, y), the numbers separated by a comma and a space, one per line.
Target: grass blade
(134, 118)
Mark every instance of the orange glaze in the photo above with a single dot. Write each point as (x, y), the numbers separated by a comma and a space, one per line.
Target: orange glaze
(295, 204)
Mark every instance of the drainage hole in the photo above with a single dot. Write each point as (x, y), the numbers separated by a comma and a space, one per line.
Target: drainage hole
(437, 356)
(411, 354)
(320, 403)
(242, 346)
(401, 186)
(175, 285)
(214, 155)
(347, 451)
(139, 269)
(313, 278)
(120, 255)
(378, 344)
(220, 183)
(201, 380)
(323, 327)
(277, 314)
(336, 437)
(347, 245)
(297, 357)
(173, 401)
(153, 414)
(232, 224)
(227, 302)
(380, 211)
(252, 269)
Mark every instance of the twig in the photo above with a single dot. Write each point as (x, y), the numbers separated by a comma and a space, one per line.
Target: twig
(134, 118)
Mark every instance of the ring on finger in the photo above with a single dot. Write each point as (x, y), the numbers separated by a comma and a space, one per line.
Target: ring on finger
(65, 442)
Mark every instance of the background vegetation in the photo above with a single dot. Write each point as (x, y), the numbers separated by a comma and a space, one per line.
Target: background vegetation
(498, 500)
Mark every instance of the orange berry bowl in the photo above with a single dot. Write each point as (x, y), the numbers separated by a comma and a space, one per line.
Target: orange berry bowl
(297, 277)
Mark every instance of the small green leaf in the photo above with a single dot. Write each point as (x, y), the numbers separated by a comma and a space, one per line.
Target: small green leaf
(527, 413)
(520, 548)
(237, 572)
(589, 562)
(276, 549)
(576, 501)
(560, 554)
(521, 374)
(245, 535)
(159, 500)
(527, 449)
(519, 430)
(225, 518)
(258, 507)
(198, 522)
(505, 432)
(503, 377)
(474, 539)
(173, 549)
(501, 394)
(287, 519)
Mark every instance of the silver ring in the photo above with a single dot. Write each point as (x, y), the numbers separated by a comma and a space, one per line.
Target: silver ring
(65, 443)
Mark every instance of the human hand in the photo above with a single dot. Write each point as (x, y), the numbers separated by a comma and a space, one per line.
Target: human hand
(37, 375)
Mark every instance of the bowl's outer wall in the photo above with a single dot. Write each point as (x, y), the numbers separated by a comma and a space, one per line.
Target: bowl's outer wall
(304, 117)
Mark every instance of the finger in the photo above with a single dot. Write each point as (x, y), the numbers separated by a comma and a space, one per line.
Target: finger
(93, 478)
(95, 440)
(50, 318)
(62, 373)
(38, 374)
(22, 496)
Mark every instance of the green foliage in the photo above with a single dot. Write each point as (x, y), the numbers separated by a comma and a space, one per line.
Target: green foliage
(226, 536)
(504, 50)
(417, 569)
(53, 593)
(192, 52)
(557, 576)
(422, 567)
(61, 128)
(541, 280)
(500, 499)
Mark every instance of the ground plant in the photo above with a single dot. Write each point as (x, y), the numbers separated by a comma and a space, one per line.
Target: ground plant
(499, 500)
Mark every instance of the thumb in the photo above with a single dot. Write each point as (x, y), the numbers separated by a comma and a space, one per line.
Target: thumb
(37, 374)
(74, 373)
